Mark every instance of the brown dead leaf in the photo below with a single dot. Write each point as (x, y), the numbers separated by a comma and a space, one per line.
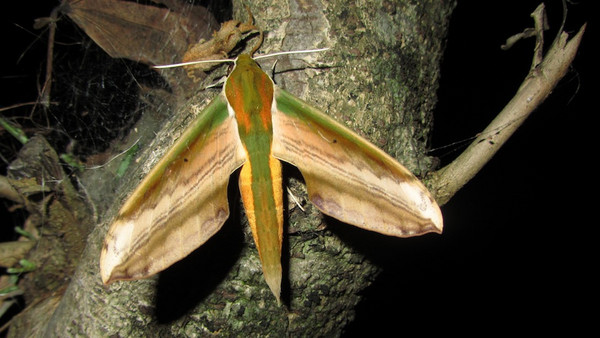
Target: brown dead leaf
(12, 252)
(142, 33)
(8, 191)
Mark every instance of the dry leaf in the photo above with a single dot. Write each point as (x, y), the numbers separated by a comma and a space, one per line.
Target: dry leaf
(12, 252)
(142, 33)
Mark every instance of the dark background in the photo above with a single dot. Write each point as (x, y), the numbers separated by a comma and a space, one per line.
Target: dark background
(515, 253)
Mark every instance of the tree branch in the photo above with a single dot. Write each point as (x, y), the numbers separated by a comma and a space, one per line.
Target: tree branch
(538, 84)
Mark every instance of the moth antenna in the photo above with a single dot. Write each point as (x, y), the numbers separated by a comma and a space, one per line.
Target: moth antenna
(173, 65)
(291, 52)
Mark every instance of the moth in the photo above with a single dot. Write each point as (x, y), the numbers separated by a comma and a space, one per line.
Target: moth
(253, 124)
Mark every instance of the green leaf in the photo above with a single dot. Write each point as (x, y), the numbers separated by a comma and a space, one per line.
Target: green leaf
(14, 131)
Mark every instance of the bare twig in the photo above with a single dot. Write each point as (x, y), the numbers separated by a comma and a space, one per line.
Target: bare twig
(45, 94)
(538, 84)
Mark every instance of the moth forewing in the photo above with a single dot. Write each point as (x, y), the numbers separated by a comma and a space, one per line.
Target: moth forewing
(180, 203)
(349, 178)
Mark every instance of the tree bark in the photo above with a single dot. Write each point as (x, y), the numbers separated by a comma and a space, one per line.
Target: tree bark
(379, 78)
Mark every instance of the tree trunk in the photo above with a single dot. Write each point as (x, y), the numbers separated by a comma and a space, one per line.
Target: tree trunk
(379, 78)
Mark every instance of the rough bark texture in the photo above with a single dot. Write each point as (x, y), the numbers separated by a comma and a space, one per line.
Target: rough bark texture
(381, 81)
